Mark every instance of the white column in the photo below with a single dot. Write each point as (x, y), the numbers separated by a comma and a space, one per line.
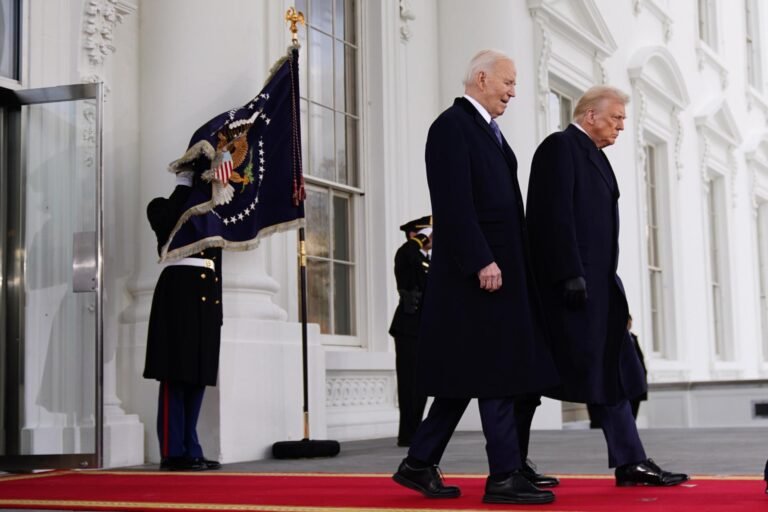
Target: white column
(194, 67)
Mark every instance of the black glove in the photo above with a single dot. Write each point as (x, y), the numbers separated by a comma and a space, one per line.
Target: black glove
(575, 292)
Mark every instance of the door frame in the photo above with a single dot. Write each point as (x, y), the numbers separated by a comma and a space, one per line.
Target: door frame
(12, 256)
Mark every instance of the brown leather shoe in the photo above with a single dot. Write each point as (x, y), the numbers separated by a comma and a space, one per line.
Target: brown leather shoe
(647, 473)
(515, 489)
(428, 481)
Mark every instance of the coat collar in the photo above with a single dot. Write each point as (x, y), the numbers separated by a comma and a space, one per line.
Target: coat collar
(470, 109)
(596, 156)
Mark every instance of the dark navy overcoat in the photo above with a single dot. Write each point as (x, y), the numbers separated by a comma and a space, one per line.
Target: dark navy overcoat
(573, 222)
(474, 343)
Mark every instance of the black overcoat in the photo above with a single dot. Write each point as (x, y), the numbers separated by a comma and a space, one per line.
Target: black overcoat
(185, 321)
(573, 221)
(411, 270)
(474, 343)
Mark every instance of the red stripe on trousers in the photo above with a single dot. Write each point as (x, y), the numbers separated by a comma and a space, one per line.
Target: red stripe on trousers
(164, 451)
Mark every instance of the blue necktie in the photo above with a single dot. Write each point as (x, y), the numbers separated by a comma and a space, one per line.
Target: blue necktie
(496, 131)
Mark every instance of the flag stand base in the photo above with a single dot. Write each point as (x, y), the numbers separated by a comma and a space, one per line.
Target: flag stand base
(305, 449)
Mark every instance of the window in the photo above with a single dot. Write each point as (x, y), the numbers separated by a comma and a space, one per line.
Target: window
(707, 23)
(560, 110)
(330, 125)
(653, 242)
(715, 225)
(10, 29)
(754, 70)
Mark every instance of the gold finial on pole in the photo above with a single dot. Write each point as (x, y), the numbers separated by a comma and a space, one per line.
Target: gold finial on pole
(293, 17)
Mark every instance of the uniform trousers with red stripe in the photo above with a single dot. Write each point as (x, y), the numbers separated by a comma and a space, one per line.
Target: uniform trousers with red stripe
(178, 411)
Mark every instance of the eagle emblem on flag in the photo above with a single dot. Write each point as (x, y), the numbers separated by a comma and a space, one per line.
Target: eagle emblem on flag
(248, 180)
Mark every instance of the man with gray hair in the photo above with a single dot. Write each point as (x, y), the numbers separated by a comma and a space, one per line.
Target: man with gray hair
(573, 222)
(479, 337)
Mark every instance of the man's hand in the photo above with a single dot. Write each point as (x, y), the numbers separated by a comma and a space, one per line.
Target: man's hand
(490, 277)
(575, 292)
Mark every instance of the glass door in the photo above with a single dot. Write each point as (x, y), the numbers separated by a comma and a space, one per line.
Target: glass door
(50, 277)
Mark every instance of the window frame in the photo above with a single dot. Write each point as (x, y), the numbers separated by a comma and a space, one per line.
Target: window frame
(21, 42)
(354, 192)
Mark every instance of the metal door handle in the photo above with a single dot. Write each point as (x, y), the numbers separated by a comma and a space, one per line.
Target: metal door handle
(85, 276)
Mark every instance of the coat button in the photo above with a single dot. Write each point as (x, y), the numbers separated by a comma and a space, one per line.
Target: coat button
(202, 298)
(216, 279)
(217, 302)
(202, 276)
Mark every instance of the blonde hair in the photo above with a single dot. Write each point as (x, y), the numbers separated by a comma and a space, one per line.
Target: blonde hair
(595, 95)
(484, 60)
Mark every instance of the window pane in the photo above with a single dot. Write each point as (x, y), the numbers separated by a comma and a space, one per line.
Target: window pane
(321, 161)
(320, 68)
(339, 78)
(341, 149)
(318, 290)
(566, 110)
(316, 210)
(301, 6)
(345, 20)
(9, 38)
(321, 15)
(342, 299)
(351, 160)
(341, 228)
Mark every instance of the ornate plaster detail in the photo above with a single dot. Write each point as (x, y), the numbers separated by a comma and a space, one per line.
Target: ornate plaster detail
(357, 391)
(642, 109)
(406, 16)
(705, 150)
(734, 166)
(678, 125)
(543, 72)
(101, 18)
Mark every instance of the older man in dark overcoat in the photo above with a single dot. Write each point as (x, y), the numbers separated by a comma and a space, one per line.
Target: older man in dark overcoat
(573, 219)
(481, 336)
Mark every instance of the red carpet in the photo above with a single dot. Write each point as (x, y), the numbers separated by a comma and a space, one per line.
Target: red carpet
(222, 491)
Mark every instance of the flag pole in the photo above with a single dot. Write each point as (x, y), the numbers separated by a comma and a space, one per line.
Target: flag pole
(305, 448)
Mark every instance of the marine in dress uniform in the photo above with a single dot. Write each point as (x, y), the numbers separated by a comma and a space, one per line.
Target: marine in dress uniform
(183, 337)
(411, 269)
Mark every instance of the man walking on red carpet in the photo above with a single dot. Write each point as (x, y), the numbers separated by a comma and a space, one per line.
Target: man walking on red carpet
(479, 338)
(573, 221)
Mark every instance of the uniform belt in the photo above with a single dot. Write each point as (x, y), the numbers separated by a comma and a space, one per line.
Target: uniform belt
(194, 262)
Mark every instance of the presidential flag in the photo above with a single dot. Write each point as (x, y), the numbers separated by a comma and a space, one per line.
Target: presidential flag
(248, 176)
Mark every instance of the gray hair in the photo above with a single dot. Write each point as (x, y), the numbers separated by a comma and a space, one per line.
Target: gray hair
(595, 95)
(484, 60)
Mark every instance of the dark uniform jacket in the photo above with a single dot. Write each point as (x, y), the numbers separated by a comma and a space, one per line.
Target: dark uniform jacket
(185, 321)
(411, 269)
(573, 220)
(474, 343)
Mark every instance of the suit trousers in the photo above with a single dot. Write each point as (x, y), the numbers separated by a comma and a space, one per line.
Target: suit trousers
(177, 414)
(498, 419)
(620, 431)
(411, 400)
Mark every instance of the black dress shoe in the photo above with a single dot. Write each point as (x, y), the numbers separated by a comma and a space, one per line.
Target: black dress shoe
(647, 473)
(529, 471)
(428, 481)
(181, 464)
(208, 464)
(516, 489)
